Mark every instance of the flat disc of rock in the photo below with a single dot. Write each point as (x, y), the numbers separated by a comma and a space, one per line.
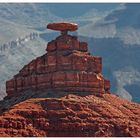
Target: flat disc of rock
(65, 26)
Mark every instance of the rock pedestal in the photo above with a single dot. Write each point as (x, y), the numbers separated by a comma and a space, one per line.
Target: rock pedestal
(67, 66)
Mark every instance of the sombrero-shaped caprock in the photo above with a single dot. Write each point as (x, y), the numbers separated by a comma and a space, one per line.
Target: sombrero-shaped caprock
(64, 27)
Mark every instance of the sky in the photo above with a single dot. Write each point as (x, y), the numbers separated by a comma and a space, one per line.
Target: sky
(77, 9)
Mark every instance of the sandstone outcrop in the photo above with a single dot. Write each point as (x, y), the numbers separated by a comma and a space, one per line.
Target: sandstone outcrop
(72, 116)
(63, 93)
(67, 66)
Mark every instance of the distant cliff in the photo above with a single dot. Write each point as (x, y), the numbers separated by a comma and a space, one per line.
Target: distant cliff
(18, 41)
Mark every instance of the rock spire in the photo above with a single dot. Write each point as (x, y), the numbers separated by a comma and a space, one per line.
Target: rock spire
(66, 67)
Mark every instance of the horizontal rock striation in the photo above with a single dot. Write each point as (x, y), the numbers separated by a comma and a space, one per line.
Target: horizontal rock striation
(67, 66)
(63, 93)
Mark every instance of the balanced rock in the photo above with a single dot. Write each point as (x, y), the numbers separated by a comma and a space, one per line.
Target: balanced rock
(67, 66)
(63, 26)
(63, 93)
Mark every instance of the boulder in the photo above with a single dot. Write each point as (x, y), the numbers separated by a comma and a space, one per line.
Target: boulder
(51, 46)
(83, 47)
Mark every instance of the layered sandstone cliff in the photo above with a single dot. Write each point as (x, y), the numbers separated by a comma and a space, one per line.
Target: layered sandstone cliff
(63, 93)
(67, 66)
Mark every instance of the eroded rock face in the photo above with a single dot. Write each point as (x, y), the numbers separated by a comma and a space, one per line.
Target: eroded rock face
(72, 116)
(67, 66)
(40, 103)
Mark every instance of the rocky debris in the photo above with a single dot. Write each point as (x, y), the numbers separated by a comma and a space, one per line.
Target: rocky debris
(72, 116)
(67, 66)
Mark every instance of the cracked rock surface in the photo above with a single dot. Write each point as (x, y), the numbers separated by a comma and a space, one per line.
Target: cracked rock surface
(72, 116)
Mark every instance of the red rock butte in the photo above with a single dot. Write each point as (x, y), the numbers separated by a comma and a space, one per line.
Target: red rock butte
(64, 94)
(66, 67)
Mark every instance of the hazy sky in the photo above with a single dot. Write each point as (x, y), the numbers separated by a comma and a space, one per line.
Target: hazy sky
(78, 9)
